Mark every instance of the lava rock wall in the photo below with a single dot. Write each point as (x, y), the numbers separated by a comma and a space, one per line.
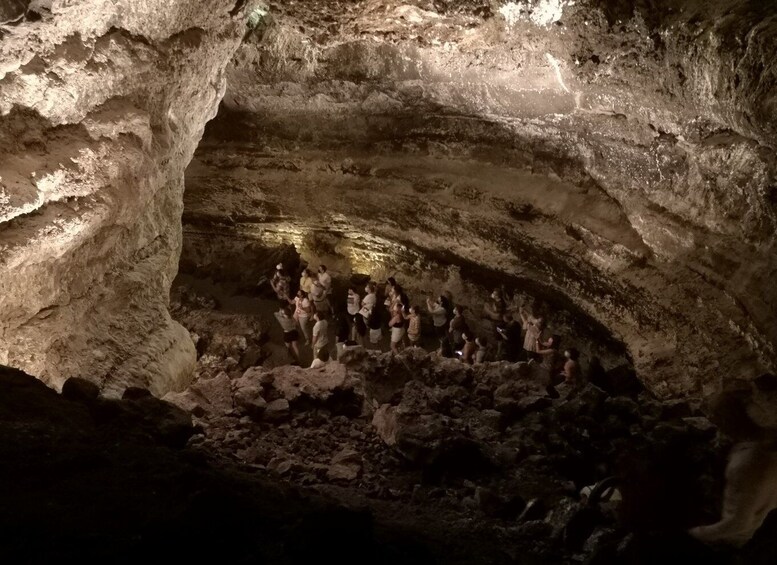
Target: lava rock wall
(619, 153)
(102, 104)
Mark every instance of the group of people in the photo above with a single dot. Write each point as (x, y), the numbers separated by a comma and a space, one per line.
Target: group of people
(517, 333)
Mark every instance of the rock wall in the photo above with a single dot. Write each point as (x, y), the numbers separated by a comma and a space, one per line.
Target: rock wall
(621, 154)
(102, 104)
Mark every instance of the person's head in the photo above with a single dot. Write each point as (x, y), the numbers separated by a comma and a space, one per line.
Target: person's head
(458, 310)
(302, 294)
(391, 282)
(572, 354)
(279, 267)
(318, 316)
(414, 310)
(508, 317)
(496, 294)
(554, 342)
(322, 269)
(369, 288)
(323, 354)
(352, 290)
(466, 337)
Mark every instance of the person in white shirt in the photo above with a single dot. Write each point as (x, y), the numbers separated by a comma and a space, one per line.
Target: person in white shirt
(320, 333)
(318, 296)
(325, 279)
(369, 301)
(439, 316)
(302, 311)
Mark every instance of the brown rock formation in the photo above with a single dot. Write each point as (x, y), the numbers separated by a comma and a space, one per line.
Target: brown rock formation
(102, 105)
(620, 156)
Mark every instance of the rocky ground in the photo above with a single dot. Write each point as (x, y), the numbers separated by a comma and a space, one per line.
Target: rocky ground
(484, 452)
(390, 458)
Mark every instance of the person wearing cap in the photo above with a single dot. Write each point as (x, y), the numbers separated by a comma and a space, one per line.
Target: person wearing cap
(325, 279)
(281, 283)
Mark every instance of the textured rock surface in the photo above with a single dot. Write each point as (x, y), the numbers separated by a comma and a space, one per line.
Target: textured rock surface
(618, 154)
(102, 104)
(474, 447)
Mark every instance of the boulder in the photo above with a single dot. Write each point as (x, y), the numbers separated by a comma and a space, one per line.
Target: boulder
(80, 390)
(300, 385)
(135, 393)
(346, 465)
(384, 421)
(277, 410)
(249, 399)
(251, 357)
(215, 393)
(186, 401)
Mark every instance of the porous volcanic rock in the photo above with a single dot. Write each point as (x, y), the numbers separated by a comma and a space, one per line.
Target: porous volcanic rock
(613, 158)
(102, 105)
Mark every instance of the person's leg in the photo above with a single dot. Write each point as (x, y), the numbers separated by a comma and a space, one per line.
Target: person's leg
(303, 326)
(295, 348)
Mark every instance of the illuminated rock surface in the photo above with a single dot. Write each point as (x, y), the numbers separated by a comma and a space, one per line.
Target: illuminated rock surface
(619, 163)
(102, 105)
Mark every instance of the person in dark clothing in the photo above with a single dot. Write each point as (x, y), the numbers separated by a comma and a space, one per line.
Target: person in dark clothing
(374, 325)
(551, 358)
(343, 332)
(510, 336)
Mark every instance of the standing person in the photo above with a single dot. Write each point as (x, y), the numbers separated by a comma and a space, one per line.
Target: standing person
(482, 353)
(353, 305)
(320, 333)
(533, 326)
(572, 367)
(343, 333)
(290, 334)
(469, 350)
(388, 290)
(510, 338)
(414, 326)
(369, 301)
(397, 325)
(318, 296)
(374, 325)
(457, 327)
(439, 317)
(325, 279)
(551, 359)
(359, 329)
(493, 312)
(302, 312)
(306, 281)
(281, 283)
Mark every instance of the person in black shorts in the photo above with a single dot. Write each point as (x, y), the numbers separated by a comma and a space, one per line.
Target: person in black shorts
(290, 334)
